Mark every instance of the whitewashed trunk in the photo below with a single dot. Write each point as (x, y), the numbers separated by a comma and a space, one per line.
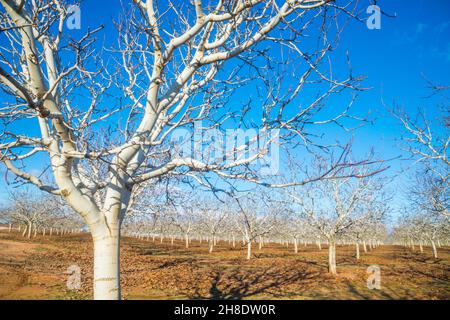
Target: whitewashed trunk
(249, 250)
(357, 250)
(433, 245)
(364, 247)
(332, 257)
(107, 266)
(211, 246)
(186, 238)
(295, 246)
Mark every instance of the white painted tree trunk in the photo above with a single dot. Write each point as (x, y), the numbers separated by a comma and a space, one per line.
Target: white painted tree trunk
(211, 246)
(332, 257)
(234, 242)
(186, 238)
(29, 230)
(10, 227)
(249, 250)
(421, 247)
(357, 250)
(107, 265)
(433, 245)
(364, 247)
(295, 246)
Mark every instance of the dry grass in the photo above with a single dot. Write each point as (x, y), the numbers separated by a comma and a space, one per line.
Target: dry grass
(36, 270)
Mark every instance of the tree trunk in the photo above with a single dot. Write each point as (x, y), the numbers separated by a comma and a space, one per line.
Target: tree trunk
(107, 265)
(433, 245)
(364, 247)
(29, 230)
(186, 237)
(332, 257)
(10, 226)
(295, 246)
(421, 247)
(249, 250)
(357, 250)
(234, 242)
(211, 246)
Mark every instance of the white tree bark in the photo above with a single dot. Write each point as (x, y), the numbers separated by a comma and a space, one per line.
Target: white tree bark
(107, 265)
(332, 257)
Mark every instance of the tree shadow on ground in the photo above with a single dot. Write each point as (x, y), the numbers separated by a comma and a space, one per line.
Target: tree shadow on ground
(367, 294)
(237, 284)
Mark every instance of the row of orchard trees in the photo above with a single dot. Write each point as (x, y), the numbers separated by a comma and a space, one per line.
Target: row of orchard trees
(345, 211)
(426, 220)
(31, 213)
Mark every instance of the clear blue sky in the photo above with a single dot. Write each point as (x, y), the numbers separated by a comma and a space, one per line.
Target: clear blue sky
(416, 41)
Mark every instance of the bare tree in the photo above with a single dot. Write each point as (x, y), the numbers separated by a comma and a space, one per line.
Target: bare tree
(333, 207)
(173, 73)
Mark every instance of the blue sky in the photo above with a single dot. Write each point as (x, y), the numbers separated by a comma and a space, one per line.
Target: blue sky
(415, 42)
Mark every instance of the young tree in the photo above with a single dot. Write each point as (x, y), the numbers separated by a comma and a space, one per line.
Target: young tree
(254, 218)
(34, 211)
(333, 207)
(174, 72)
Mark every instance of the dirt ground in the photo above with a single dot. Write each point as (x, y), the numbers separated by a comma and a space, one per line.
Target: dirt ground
(37, 269)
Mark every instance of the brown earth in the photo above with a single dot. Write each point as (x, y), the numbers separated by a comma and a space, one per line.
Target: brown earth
(37, 269)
